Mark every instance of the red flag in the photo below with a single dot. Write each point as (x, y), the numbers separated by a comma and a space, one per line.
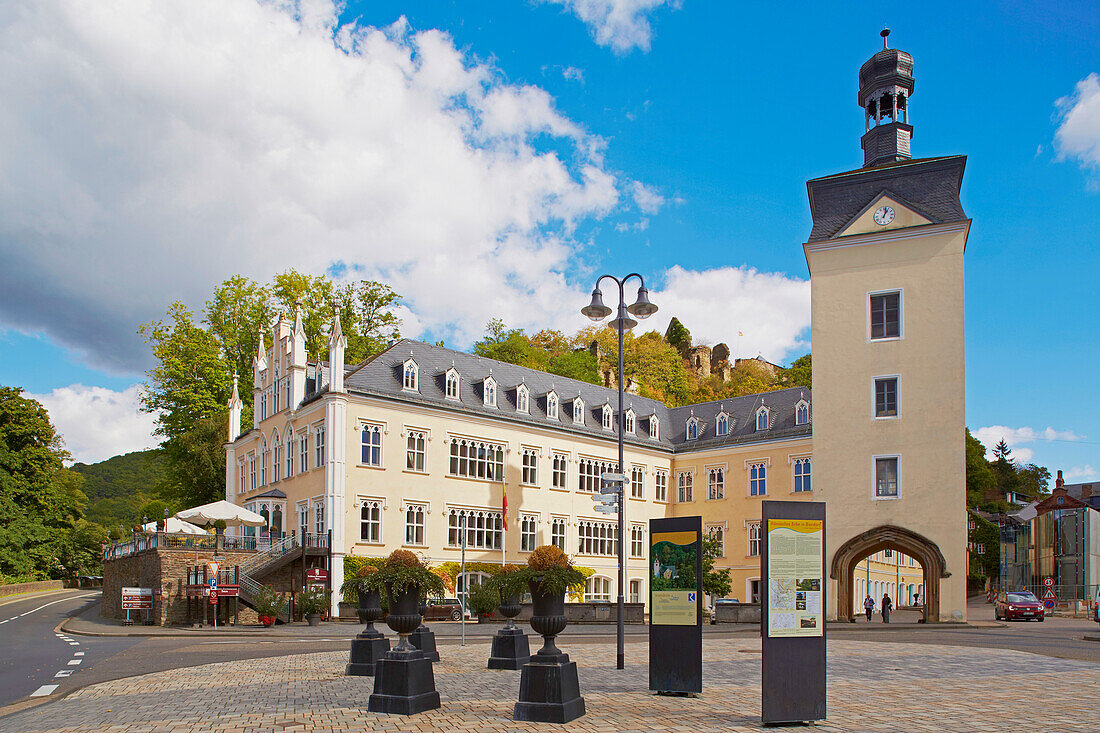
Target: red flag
(505, 508)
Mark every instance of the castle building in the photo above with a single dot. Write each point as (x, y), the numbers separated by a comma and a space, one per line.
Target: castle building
(419, 446)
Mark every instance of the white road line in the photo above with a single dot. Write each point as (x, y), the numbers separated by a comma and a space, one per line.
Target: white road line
(79, 654)
(59, 600)
(64, 673)
(74, 662)
(44, 690)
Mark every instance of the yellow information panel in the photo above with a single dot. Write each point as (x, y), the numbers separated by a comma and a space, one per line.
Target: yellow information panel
(794, 577)
(675, 597)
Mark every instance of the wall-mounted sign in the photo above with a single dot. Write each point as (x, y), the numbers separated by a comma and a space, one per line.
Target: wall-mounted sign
(316, 575)
(795, 589)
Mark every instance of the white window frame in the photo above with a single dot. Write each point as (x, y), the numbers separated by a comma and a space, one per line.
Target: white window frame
(691, 429)
(370, 502)
(484, 459)
(874, 476)
(897, 396)
(578, 411)
(276, 457)
(559, 531)
(637, 482)
(410, 376)
(637, 540)
(754, 542)
(749, 466)
(303, 452)
(589, 481)
(795, 462)
(901, 314)
(721, 529)
(528, 532)
(374, 428)
(252, 471)
(303, 517)
(263, 461)
(289, 447)
(489, 391)
(559, 471)
(682, 484)
(802, 405)
(722, 425)
(765, 413)
(552, 405)
(631, 421)
(320, 524)
(635, 596)
(319, 445)
(716, 482)
(597, 537)
(453, 384)
(660, 485)
(415, 513)
(529, 466)
(487, 529)
(590, 594)
(523, 399)
(654, 427)
(607, 416)
(416, 446)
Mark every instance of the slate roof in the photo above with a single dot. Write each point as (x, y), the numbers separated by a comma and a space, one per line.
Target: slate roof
(382, 376)
(929, 185)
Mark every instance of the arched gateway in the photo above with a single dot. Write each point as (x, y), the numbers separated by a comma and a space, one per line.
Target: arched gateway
(849, 555)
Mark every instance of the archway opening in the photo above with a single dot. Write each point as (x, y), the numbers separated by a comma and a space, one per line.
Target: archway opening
(874, 543)
(892, 573)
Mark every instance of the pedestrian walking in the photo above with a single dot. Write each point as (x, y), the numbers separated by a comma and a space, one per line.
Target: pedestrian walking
(869, 605)
(887, 604)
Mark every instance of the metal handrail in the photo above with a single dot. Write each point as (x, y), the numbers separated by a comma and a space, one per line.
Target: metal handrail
(282, 547)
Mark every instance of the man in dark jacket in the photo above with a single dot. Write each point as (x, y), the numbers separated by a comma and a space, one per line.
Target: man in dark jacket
(887, 604)
(869, 605)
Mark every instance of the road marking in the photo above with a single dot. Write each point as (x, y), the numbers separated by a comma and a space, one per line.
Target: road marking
(44, 690)
(74, 643)
(74, 661)
(80, 654)
(64, 673)
(59, 600)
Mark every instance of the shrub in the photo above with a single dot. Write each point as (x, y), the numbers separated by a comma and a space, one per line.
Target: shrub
(268, 602)
(549, 567)
(483, 599)
(313, 600)
(403, 570)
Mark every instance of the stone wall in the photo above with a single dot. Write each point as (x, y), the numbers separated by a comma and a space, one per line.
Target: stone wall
(589, 613)
(737, 613)
(35, 587)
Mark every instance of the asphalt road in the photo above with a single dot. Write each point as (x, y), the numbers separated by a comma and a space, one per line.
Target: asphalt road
(36, 660)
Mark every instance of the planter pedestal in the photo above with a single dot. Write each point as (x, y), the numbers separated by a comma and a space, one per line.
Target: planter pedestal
(369, 645)
(549, 690)
(510, 647)
(404, 683)
(423, 639)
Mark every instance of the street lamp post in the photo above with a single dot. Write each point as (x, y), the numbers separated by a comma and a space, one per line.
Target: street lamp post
(597, 311)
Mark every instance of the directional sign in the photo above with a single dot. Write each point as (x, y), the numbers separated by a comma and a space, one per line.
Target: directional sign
(603, 509)
(137, 598)
(616, 478)
(606, 498)
(1048, 582)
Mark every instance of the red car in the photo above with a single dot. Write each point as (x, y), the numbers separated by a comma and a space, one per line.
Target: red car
(1018, 605)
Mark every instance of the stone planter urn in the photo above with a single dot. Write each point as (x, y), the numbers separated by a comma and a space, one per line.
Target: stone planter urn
(423, 638)
(313, 619)
(511, 649)
(370, 644)
(403, 679)
(549, 689)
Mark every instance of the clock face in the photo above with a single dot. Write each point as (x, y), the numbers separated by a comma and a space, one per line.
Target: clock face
(884, 216)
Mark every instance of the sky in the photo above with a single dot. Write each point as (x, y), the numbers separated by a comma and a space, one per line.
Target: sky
(492, 159)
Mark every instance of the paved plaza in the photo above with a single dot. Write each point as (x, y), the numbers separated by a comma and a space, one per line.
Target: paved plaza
(873, 686)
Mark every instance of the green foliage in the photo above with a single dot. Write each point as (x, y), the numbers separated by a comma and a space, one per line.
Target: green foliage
(677, 336)
(800, 373)
(987, 563)
(40, 500)
(81, 551)
(483, 598)
(717, 583)
(398, 576)
(122, 476)
(268, 602)
(988, 482)
(313, 600)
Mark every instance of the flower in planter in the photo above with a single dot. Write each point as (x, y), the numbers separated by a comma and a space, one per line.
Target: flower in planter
(549, 571)
(404, 570)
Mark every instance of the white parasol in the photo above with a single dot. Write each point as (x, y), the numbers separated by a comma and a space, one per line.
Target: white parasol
(230, 513)
(175, 526)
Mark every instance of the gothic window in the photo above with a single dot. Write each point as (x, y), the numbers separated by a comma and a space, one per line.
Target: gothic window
(371, 445)
(607, 414)
(263, 462)
(637, 487)
(303, 453)
(654, 428)
(319, 518)
(754, 539)
(522, 399)
(414, 524)
(276, 449)
(530, 472)
(589, 471)
(685, 481)
(630, 422)
(557, 532)
(490, 388)
(802, 414)
(718, 532)
(578, 411)
(559, 467)
(802, 475)
(716, 483)
(452, 384)
(251, 471)
(637, 540)
(370, 521)
(528, 532)
(484, 528)
(477, 459)
(289, 454)
(415, 450)
(660, 492)
(411, 379)
(319, 447)
(552, 406)
(303, 518)
(722, 425)
(758, 478)
(597, 538)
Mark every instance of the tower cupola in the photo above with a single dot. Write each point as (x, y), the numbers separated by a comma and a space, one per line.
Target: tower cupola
(885, 86)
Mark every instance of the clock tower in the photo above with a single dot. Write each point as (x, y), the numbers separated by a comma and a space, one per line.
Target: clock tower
(885, 256)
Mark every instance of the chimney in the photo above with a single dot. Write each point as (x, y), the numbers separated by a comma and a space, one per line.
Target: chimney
(1058, 482)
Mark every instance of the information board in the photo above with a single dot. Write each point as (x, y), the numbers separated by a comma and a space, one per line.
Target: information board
(794, 589)
(675, 605)
(136, 598)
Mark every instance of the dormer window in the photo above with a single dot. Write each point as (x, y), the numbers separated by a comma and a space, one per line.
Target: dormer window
(490, 388)
(606, 417)
(411, 380)
(452, 384)
(693, 428)
(802, 413)
(762, 419)
(552, 406)
(630, 422)
(522, 399)
(654, 427)
(722, 425)
(578, 411)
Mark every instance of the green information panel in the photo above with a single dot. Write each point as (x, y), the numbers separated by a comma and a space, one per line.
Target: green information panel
(794, 577)
(675, 597)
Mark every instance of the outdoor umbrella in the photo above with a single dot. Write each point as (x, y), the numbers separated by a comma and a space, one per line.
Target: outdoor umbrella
(231, 514)
(173, 525)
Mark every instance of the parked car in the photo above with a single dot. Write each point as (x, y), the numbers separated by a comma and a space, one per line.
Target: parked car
(441, 609)
(1018, 605)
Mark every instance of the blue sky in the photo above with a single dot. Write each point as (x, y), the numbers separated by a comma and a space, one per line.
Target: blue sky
(552, 140)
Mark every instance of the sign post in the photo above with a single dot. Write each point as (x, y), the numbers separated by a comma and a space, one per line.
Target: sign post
(793, 593)
(676, 605)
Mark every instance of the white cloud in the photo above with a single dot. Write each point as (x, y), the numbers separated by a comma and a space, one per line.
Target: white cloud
(97, 423)
(1078, 135)
(772, 309)
(648, 199)
(622, 25)
(153, 149)
(572, 73)
(1081, 473)
(1017, 438)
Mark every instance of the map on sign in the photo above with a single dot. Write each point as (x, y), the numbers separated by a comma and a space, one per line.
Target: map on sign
(795, 554)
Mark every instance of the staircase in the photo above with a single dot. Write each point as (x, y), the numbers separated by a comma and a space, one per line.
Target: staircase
(286, 550)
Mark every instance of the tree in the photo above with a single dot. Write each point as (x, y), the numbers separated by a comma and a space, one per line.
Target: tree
(510, 345)
(801, 372)
(678, 336)
(981, 485)
(40, 500)
(716, 583)
(82, 551)
(239, 309)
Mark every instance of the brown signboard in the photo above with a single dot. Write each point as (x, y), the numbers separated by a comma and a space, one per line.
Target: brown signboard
(137, 598)
(317, 575)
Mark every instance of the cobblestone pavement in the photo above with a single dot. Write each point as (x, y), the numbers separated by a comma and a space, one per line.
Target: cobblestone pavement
(873, 686)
